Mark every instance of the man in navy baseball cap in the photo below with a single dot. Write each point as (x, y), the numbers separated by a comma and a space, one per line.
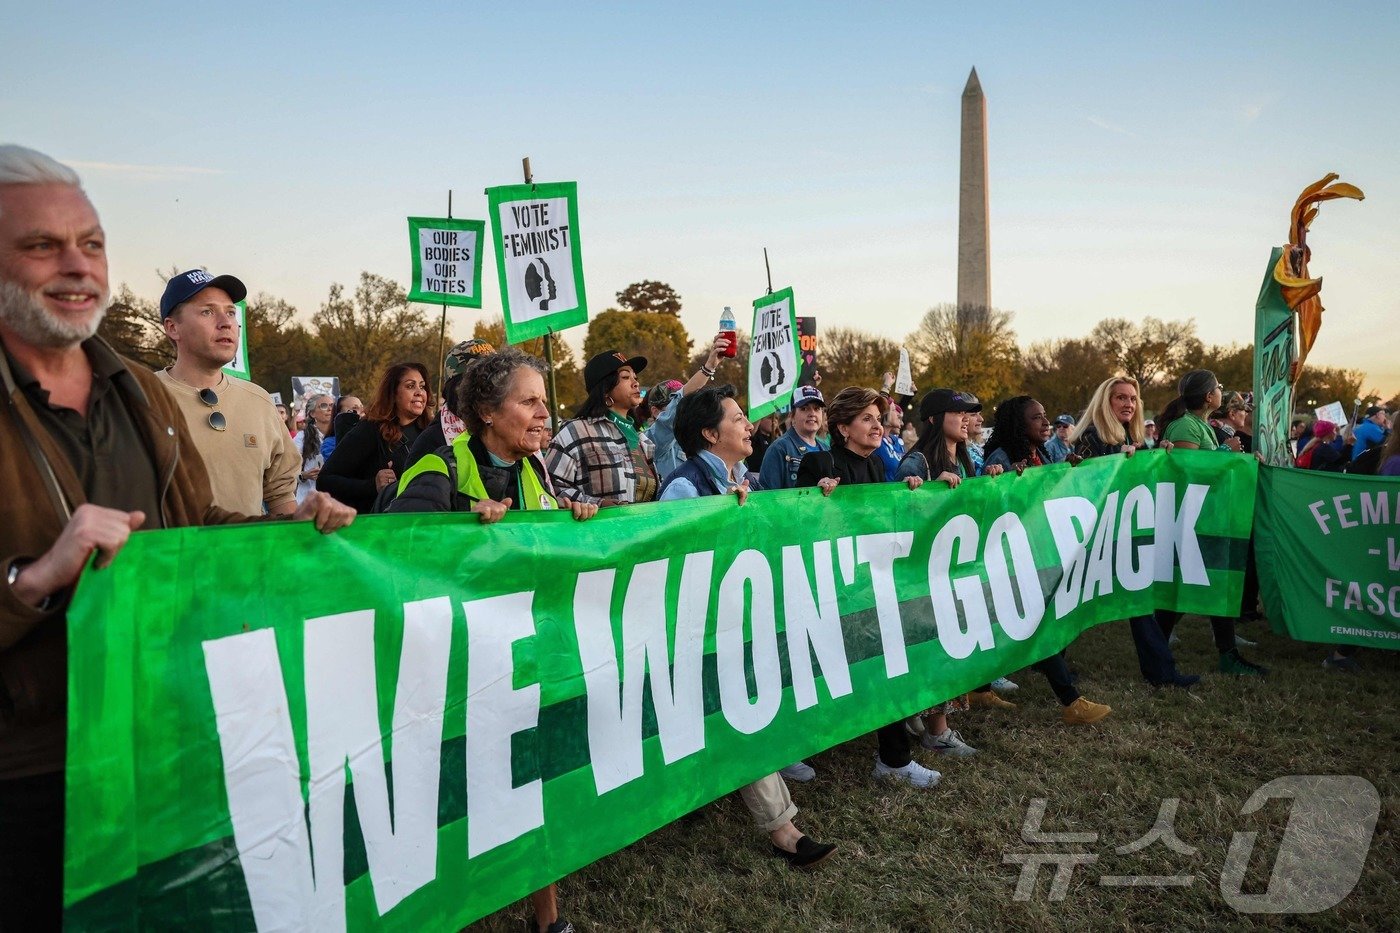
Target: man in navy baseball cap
(186, 285)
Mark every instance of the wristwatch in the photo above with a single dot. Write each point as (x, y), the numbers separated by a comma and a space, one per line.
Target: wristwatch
(12, 577)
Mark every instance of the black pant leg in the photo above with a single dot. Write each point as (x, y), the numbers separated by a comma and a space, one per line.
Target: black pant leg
(31, 853)
(1056, 671)
(894, 745)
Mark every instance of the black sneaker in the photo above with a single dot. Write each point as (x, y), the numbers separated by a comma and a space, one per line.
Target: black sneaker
(1232, 662)
(559, 926)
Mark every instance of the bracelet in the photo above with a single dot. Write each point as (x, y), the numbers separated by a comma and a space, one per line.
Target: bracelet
(708, 371)
(12, 577)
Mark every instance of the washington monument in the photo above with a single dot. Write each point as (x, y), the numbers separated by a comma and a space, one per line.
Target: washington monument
(974, 239)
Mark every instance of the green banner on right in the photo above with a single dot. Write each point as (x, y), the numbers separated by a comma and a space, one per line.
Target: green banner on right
(1328, 549)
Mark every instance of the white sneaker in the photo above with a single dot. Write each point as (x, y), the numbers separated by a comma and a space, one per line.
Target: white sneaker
(913, 773)
(799, 771)
(1005, 686)
(949, 743)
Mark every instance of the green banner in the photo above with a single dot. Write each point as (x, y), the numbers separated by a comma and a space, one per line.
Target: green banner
(239, 367)
(1275, 349)
(464, 713)
(538, 258)
(446, 255)
(1328, 549)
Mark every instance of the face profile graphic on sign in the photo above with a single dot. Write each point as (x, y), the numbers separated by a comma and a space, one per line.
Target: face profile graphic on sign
(539, 284)
(771, 371)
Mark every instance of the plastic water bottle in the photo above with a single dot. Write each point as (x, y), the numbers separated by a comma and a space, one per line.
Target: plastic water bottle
(728, 329)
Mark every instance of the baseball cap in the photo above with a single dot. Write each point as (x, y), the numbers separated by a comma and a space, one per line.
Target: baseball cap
(1066, 420)
(660, 394)
(463, 353)
(806, 395)
(186, 285)
(939, 401)
(606, 363)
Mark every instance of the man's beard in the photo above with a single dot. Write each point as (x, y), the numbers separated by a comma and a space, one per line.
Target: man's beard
(24, 313)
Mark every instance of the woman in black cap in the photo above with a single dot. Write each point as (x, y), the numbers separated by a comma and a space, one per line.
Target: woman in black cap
(942, 450)
(1183, 422)
(601, 456)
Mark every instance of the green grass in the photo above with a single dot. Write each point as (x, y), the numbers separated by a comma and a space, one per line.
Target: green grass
(913, 860)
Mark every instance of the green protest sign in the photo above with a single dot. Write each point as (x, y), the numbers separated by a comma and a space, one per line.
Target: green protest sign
(775, 358)
(446, 260)
(474, 711)
(1275, 349)
(535, 228)
(1328, 549)
(239, 367)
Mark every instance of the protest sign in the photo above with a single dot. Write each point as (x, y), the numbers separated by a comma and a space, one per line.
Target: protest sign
(807, 346)
(774, 361)
(455, 725)
(303, 387)
(1334, 413)
(1275, 350)
(1328, 549)
(446, 260)
(239, 367)
(535, 229)
(904, 379)
(276, 397)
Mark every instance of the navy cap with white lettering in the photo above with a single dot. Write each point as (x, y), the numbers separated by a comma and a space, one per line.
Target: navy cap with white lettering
(186, 285)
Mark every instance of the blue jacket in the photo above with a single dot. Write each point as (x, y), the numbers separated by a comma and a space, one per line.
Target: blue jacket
(662, 432)
(1367, 434)
(781, 461)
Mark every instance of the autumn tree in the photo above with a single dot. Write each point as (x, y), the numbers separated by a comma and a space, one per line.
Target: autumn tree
(132, 326)
(847, 356)
(1063, 374)
(365, 334)
(280, 346)
(966, 347)
(1232, 365)
(1322, 385)
(661, 338)
(1153, 352)
(568, 378)
(650, 297)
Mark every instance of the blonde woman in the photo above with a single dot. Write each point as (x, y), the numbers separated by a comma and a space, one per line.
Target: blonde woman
(1112, 423)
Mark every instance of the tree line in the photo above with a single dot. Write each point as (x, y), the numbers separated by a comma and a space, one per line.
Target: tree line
(356, 335)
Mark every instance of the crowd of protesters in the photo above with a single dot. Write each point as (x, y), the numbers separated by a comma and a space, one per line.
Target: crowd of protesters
(96, 447)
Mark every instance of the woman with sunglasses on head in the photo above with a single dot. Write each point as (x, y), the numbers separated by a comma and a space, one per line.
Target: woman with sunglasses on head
(369, 458)
(601, 456)
(1184, 423)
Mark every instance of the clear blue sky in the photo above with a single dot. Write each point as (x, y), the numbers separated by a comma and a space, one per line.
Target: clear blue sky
(1143, 155)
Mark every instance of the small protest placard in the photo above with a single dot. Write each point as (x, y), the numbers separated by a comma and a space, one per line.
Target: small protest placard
(238, 367)
(904, 379)
(535, 230)
(774, 360)
(1334, 413)
(446, 260)
(304, 387)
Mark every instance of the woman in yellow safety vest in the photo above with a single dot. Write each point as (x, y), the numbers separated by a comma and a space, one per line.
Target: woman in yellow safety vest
(494, 466)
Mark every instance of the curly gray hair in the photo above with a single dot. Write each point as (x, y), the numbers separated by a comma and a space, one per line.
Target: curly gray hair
(485, 382)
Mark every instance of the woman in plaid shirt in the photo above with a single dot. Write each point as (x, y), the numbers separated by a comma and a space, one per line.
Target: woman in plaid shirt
(601, 456)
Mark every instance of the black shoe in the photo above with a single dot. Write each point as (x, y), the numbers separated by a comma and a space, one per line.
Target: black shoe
(559, 926)
(1232, 662)
(809, 854)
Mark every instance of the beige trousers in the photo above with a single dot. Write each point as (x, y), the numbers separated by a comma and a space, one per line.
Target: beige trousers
(769, 802)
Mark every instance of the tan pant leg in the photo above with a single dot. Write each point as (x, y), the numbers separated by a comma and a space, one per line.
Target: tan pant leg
(769, 802)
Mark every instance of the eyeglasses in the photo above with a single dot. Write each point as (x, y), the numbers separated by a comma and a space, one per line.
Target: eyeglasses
(217, 421)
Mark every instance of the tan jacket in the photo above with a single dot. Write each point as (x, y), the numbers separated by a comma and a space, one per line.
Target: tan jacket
(33, 644)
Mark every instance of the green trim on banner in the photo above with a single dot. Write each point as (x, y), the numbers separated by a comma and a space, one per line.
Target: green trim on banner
(781, 401)
(557, 319)
(217, 729)
(1328, 550)
(415, 293)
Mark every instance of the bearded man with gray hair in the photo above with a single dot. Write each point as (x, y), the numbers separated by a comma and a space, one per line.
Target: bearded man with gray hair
(92, 448)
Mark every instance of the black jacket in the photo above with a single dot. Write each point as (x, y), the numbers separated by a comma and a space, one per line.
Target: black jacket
(349, 473)
(840, 463)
